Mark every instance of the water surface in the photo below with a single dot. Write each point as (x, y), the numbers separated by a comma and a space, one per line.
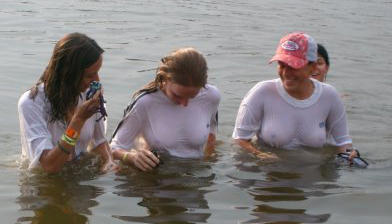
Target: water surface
(237, 38)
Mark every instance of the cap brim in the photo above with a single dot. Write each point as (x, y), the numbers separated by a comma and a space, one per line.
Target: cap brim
(290, 60)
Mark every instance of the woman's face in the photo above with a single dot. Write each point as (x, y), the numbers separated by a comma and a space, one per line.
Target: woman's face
(179, 94)
(294, 80)
(91, 74)
(321, 70)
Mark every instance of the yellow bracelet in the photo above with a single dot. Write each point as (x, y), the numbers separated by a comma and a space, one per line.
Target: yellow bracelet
(124, 157)
(68, 140)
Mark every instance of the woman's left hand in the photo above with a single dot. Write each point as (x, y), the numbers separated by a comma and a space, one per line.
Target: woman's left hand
(104, 152)
(344, 148)
(267, 156)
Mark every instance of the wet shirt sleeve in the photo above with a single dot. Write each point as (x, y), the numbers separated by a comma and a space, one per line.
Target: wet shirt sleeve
(34, 130)
(130, 128)
(215, 99)
(337, 121)
(250, 115)
(99, 133)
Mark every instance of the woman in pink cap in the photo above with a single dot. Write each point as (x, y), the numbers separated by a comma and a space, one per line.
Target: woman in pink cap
(294, 110)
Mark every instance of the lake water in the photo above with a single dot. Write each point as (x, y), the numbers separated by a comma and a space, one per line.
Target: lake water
(237, 38)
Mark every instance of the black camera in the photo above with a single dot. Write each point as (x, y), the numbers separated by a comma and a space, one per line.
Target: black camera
(156, 154)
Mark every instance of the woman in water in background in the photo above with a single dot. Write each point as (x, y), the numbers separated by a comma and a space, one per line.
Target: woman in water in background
(322, 64)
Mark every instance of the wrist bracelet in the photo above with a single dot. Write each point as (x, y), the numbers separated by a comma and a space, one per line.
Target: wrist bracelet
(72, 133)
(66, 151)
(68, 140)
(124, 157)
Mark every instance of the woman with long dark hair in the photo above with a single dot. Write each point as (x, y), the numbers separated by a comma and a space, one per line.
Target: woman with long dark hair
(57, 122)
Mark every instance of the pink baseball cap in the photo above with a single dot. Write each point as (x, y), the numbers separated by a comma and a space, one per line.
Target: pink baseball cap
(296, 50)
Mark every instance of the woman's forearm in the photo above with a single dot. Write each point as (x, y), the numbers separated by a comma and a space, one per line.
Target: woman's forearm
(210, 145)
(53, 160)
(247, 145)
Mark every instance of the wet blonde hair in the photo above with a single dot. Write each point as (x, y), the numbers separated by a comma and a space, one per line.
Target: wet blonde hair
(185, 66)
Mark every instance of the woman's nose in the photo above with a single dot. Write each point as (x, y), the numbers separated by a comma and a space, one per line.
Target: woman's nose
(96, 77)
(184, 102)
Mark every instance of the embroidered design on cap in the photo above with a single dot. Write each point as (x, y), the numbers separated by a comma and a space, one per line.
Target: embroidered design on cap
(290, 45)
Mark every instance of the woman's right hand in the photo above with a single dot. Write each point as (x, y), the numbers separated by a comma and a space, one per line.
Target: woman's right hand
(248, 146)
(143, 159)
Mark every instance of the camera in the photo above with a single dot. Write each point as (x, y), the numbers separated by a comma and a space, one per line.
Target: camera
(94, 87)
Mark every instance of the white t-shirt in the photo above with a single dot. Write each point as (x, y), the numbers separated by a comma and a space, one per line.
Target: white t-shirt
(38, 134)
(279, 120)
(169, 127)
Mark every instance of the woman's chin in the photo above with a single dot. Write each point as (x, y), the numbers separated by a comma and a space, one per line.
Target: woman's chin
(289, 85)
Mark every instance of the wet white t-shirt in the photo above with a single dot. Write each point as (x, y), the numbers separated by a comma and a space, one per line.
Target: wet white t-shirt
(279, 120)
(38, 134)
(169, 127)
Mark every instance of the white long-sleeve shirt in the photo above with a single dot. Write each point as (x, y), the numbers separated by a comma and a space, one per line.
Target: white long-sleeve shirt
(279, 120)
(169, 127)
(38, 133)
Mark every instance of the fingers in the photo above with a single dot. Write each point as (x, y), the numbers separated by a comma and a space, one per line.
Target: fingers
(353, 154)
(144, 160)
(109, 166)
(93, 104)
(97, 94)
(153, 157)
(267, 156)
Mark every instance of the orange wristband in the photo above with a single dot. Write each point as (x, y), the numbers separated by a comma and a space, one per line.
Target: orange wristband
(70, 132)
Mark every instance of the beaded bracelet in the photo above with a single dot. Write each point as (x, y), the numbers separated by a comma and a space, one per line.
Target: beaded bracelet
(66, 151)
(124, 157)
(70, 141)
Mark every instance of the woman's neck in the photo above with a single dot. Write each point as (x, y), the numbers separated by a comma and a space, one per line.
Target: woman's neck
(305, 91)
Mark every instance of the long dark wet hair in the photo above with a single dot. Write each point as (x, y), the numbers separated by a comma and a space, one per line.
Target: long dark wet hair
(185, 66)
(62, 77)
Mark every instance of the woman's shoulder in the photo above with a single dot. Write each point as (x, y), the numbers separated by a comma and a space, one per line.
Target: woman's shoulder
(329, 90)
(212, 92)
(263, 87)
(271, 83)
(26, 100)
(146, 99)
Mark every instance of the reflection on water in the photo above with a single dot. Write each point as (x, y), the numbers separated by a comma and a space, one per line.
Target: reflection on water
(59, 198)
(171, 193)
(297, 176)
(176, 192)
